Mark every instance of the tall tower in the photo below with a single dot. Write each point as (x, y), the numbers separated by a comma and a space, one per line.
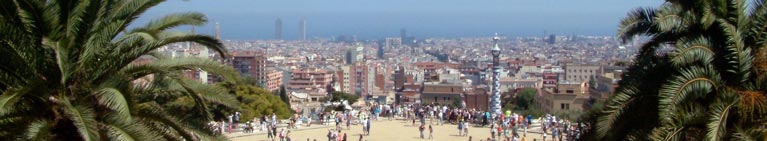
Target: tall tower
(402, 34)
(302, 29)
(495, 98)
(218, 31)
(278, 29)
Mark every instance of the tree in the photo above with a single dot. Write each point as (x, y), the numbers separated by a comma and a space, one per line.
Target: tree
(338, 96)
(256, 102)
(525, 98)
(70, 71)
(709, 87)
(284, 96)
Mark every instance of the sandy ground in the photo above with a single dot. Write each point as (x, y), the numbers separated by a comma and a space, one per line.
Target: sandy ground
(384, 130)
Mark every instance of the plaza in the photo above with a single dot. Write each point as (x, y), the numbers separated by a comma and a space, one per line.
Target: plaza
(388, 130)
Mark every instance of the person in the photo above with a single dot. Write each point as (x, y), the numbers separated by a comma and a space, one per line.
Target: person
(420, 129)
(364, 126)
(431, 132)
(340, 136)
(344, 137)
(269, 134)
(274, 131)
(460, 128)
(439, 118)
(330, 135)
(469, 138)
(282, 134)
(465, 128)
(368, 129)
(492, 130)
(287, 136)
(360, 137)
(544, 135)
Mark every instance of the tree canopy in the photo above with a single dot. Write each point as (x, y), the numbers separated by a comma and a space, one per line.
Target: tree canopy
(73, 70)
(709, 86)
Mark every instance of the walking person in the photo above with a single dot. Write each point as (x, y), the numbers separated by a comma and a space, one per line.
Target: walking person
(431, 132)
(465, 128)
(460, 128)
(368, 129)
(420, 129)
(269, 134)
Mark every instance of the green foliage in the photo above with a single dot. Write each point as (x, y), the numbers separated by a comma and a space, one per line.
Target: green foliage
(284, 96)
(338, 96)
(525, 98)
(705, 88)
(256, 102)
(69, 73)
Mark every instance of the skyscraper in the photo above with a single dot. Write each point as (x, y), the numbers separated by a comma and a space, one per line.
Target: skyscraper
(278, 29)
(402, 34)
(302, 29)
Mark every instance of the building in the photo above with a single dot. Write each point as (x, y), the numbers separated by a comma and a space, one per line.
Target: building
(278, 29)
(441, 93)
(302, 29)
(310, 79)
(347, 79)
(477, 98)
(577, 73)
(567, 98)
(273, 79)
(250, 64)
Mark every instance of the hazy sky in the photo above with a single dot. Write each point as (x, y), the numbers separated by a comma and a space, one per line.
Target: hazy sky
(372, 19)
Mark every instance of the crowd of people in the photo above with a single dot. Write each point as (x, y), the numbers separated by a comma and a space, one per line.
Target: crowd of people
(505, 126)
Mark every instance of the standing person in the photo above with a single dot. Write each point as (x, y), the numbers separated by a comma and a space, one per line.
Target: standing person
(440, 118)
(287, 136)
(465, 128)
(431, 132)
(274, 131)
(330, 135)
(460, 128)
(344, 137)
(368, 129)
(282, 134)
(420, 129)
(348, 120)
(364, 126)
(269, 134)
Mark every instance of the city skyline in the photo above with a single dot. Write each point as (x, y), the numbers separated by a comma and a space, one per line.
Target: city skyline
(245, 20)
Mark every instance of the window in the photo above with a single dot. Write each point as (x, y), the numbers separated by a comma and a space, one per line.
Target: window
(564, 106)
(570, 91)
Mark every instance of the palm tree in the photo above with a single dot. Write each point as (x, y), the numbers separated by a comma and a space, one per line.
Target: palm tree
(699, 76)
(68, 73)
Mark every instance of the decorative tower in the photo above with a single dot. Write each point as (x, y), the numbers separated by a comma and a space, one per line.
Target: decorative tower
(218, 31)
(495, 98)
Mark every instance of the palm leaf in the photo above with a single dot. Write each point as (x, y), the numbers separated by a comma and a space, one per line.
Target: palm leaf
(719, 114)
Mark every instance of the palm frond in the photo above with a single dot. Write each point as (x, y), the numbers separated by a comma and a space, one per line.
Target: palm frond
(719, 114)
(691, 51)
(83, 118)
(638, 22)
(115, 100)
(39, 130)
(690, 84)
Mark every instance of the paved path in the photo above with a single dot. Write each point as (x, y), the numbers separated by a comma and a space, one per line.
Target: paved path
(385, 130)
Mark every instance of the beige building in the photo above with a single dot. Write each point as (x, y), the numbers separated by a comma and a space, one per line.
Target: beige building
(273, 79)
(575, 73)
(567, 97)
(310, 79)
(441, 93)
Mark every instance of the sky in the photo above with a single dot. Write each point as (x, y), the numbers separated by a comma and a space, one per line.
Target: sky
(375, 19)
